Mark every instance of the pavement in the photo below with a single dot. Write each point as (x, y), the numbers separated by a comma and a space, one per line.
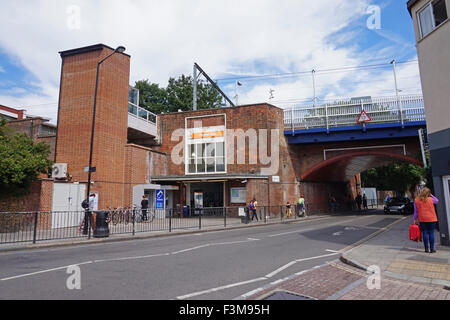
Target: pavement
(384, 266)
(388, 266)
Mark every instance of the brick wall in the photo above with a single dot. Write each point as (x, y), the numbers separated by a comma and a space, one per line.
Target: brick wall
(111, 121)
(33, 127)
(141, 163)
(38, 199)
(257, 117)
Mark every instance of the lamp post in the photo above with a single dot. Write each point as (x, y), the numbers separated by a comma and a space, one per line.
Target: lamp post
(396, 92)
(88, 213)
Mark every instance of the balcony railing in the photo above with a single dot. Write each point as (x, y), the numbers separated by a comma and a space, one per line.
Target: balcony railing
(140, 113)
(346, 112)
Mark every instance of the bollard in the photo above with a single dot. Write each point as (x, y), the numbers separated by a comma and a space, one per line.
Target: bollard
(35, 226)
(134, 218)
(170, 220)
(224, 217)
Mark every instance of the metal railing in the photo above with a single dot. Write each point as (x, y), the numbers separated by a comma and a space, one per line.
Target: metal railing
(140, 113)
(346, 112)
(16, 227)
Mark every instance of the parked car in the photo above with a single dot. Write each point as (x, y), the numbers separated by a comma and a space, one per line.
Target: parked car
(400, 205)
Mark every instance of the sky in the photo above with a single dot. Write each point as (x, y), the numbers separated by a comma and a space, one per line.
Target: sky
(266, 45)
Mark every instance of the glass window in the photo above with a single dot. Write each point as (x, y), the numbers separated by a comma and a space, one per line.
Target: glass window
(426, 20)
(192, 151)
(200, 150)
(191, 166)
(220, 164)
(201, 165)
(210, 164)
(206, 157)
(210, 150)
(431, 16)
(439, 12)
(220, 149)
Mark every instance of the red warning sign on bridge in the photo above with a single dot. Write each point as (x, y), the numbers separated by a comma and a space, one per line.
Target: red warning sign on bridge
(364, 117)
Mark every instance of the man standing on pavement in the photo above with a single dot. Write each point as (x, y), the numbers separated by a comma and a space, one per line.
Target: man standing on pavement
(144, 207)
(91, 215)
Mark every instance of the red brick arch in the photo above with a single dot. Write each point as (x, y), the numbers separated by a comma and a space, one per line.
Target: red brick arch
(345, 166)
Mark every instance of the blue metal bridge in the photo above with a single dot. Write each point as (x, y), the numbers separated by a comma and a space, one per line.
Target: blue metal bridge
(332, 121)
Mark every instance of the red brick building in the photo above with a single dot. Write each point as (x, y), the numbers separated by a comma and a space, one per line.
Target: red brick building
(233, 154)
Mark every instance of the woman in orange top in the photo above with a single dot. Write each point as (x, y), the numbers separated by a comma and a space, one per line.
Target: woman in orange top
(425, 214)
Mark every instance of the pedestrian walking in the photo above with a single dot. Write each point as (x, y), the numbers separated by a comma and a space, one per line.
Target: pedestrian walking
(253, 209)
(332, 203)
(288, 210)
(388, 197)
(425, 216)
(144, 207)
(364, 201)
(358, 201)
(301, 206)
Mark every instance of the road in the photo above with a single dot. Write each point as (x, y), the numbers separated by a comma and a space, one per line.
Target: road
(219, 265)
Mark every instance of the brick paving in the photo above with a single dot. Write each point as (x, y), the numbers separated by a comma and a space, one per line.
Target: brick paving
(339, 281)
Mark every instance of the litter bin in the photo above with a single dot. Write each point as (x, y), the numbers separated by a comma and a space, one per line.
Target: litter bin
(101, 225)
(186, 211)
(244, 214)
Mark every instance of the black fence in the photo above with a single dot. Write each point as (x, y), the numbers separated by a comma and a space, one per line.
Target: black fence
(33, 227)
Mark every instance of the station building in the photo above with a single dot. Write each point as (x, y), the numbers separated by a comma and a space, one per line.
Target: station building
(217, 157)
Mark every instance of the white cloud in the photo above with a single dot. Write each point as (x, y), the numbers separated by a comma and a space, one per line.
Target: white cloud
(165, 38)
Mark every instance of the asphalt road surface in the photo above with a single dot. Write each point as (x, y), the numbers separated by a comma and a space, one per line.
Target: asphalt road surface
(219, 265)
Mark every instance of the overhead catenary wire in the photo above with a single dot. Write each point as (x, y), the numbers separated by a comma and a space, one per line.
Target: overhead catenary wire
(308, 73)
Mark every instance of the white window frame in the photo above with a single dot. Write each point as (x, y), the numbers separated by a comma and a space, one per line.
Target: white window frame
(428, 5)
(188, 142)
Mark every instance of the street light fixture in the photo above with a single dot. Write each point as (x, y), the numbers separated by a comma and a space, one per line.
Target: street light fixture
(88, 213)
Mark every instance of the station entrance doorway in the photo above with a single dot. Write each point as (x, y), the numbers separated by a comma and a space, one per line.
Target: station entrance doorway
(206, 194)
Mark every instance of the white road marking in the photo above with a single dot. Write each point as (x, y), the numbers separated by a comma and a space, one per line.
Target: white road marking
(199, 293)
(250, 293)
(314, 228)
(132, 258)
(268, 276)
(190, 249)
(44, 271)
(334, 251)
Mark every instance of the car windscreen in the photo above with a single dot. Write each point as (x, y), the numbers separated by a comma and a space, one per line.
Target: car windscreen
(397, 201)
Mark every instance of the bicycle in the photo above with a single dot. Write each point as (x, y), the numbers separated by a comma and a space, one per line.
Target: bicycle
(139, 216)
(121, 215)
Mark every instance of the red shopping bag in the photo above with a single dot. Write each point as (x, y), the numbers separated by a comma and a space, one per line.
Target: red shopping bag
(414, 233)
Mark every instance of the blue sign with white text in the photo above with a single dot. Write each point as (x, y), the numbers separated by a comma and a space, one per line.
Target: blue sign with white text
(160, 199)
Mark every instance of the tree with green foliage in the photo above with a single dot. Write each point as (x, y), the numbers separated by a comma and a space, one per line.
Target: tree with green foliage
(152, 97)
(21, 161)
(398, 176)
(178, 95)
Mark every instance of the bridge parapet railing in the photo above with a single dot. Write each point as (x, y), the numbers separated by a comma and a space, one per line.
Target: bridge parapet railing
(141, 113)
(345, 112)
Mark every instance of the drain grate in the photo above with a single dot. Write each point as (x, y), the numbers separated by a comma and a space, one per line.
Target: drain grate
(285, 295)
